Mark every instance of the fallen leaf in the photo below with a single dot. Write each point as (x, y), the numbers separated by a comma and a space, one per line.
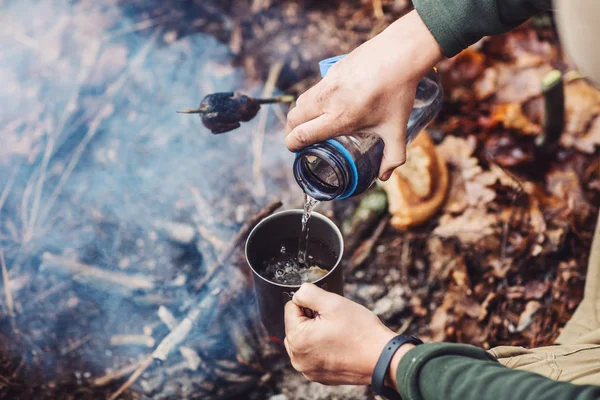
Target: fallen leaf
(536, 289)
(582, 104)
(509, 84)
(511, 117)
(585, 143)
(564, 184)
(469, 182)
(469, 227)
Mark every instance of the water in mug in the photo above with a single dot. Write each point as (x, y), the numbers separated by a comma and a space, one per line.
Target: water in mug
(283, 267)
(309, 206)
(294, 264)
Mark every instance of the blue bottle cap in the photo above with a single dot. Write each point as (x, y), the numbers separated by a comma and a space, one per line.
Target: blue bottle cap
(325, 64)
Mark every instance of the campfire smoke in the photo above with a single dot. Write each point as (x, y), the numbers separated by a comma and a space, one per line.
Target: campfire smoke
(113, 207)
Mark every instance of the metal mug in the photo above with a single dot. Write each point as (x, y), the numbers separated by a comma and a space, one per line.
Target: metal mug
(272, 297)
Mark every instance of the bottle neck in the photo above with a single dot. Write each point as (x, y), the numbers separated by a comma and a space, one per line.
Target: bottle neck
(324, 172)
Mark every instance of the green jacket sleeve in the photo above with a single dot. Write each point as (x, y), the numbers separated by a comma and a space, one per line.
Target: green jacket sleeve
(456, 24)
(443, 371)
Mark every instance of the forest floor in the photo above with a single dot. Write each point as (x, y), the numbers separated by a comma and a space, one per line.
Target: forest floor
(502, 263)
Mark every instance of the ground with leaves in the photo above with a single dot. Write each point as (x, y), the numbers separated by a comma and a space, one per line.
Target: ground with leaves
(503, 261)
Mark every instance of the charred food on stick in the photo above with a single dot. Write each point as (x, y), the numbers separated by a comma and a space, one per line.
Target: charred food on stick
(223, 112)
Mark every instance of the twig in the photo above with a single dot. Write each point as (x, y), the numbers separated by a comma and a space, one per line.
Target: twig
(118, 374)
(118, 282)
(171, 341)
(76, 344)
(9, 299)
(147, 362)
(104, 112)
(132, 340)
(508, 223)
(364, 250)
(179, 333)
(238, 239)
(259, 132)
(35, 207)
(7, 188)
(54, 289)
(167, 317)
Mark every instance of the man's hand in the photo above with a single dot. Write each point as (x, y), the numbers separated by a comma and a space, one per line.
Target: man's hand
(370, 90)
(341, 345)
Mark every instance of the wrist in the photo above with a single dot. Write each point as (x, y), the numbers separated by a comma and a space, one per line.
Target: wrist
(414, 42)
(390, 379)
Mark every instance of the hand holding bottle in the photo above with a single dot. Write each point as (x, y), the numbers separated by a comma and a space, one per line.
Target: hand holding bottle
(371, 90)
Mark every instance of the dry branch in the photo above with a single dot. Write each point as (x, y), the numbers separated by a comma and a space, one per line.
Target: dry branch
(143, 365)
(117, 374)
(180, 332)
(114, 282)
(131, 340)
(365, 249)
(259, 132)
(10, 305)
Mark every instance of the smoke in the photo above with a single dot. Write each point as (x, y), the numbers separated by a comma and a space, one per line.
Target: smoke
(93, 157)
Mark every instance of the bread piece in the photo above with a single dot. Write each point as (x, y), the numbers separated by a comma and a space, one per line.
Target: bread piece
(417, 189)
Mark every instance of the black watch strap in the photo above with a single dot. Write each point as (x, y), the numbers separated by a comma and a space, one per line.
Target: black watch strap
(381, 368)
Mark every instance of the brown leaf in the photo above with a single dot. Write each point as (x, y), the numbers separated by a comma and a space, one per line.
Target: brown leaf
(585, 143)
(511, 117)
(523, 47)
(536, 289)
(582, 104)
(511, 85)
(458, 152)
(564, 184)
(469, 227)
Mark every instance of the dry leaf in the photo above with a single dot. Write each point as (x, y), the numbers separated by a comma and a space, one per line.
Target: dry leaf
(536, 289)
(564, 184)
(509, 84)
(469, 227)
(582, 103)
(469, 183)
(586, 143)
(511, 117)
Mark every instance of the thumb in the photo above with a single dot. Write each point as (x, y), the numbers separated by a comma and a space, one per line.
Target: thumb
(313, 297)
(293, 317)
(394, 152)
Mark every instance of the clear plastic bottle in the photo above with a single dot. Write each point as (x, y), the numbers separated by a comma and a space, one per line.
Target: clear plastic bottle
(348, 165)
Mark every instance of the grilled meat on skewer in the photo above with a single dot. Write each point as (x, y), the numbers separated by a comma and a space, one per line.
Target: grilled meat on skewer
(223, 112)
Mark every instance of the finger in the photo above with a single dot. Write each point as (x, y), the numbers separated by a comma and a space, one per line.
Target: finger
(394, 153)
(287, 346)
(293, 317)
(307, 108)
(313, 131)
(313, 297)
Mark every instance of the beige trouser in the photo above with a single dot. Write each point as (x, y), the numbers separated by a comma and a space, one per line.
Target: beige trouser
(576, 356)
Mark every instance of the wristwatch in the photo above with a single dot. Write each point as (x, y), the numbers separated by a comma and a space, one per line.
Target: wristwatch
(381, 368)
